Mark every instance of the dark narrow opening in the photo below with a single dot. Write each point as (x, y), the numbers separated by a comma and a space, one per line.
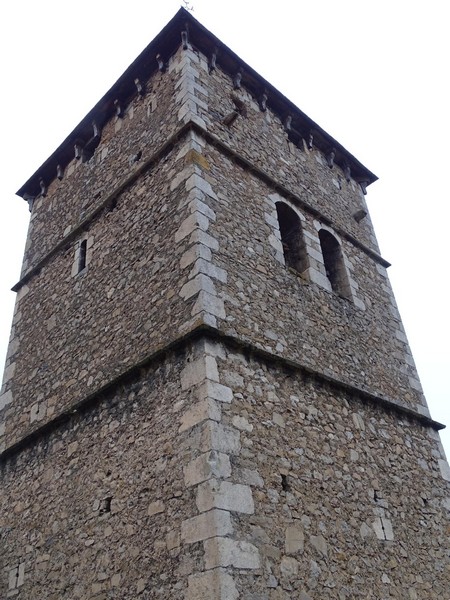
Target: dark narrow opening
(16, 577)
(106, 505)
(294, 249)
(334, 263)
(285, 483)
(82, 256)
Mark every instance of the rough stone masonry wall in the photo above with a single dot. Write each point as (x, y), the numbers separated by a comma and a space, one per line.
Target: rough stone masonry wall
(360, 341)
(144, 284)
(259, 483)
(104, 505)
(126, 143)
(260, 138)
(211, 474)
(348, 500)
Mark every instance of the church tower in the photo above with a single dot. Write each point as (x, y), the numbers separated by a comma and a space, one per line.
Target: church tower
(208, 392)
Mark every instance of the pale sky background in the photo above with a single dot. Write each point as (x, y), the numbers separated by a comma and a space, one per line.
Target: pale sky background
(373, 74)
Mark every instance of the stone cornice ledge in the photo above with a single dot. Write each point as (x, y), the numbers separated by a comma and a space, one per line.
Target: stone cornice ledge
(197, 332)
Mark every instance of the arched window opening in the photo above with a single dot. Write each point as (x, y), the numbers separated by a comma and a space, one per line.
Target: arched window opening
(292, 238)
(334, 263)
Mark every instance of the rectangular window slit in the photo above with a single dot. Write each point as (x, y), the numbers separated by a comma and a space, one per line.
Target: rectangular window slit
(82, 256)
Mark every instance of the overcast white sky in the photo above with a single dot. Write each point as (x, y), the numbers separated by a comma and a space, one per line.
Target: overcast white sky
(372, 74)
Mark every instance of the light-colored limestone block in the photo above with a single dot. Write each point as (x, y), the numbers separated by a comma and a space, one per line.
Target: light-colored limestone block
(201, 411)
(225, 552)
(207, 525)
(234, 497)
(207, 465)
(215, 584)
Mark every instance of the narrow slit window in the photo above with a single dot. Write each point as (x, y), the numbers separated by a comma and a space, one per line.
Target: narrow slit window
(294, 249)
(82, 256)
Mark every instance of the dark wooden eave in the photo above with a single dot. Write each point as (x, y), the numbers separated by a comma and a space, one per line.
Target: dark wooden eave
(165, 44)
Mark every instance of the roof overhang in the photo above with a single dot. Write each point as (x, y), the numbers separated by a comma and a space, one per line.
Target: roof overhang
(163, 46)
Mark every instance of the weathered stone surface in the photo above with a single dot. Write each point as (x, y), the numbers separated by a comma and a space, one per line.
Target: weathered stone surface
(225, 552)
(208, 465)
(216, 436)
(217, 391)
(295, 540)
(207, 525)
(234, 497)
(199, 412)
(212, 584)
(198, 371)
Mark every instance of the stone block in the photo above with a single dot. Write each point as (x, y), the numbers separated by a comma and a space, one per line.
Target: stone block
(200, 283)
(196, 181)
(278, 420)
(201, 237)
(415, 384)
(199, 319)
(359, 303)
(248, 476)
(180, 177)
(225, 552)
(242, 423)
(214, 584)
(187, 111)
(217, 391)
(319, 543)
(198, 371)
(207, 525)
(216, 436)
(383, 528)
(197, 205)
(194, 221)
(9, 372)
(445, 469)
(195, 252)
(319, 278)
(234, 497)
(5, 399)
(173, 540)
(201, 411)
(388, 531)
(155, 508)
(207, 465)
(209, 303)
(423, 410)
(289, 566)
(203, 266)
(294, 540)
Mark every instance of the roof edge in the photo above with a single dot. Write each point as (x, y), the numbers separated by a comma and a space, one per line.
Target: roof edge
(154, 57)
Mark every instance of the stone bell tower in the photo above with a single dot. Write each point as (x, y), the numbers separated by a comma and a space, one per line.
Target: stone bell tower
(208, 392)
